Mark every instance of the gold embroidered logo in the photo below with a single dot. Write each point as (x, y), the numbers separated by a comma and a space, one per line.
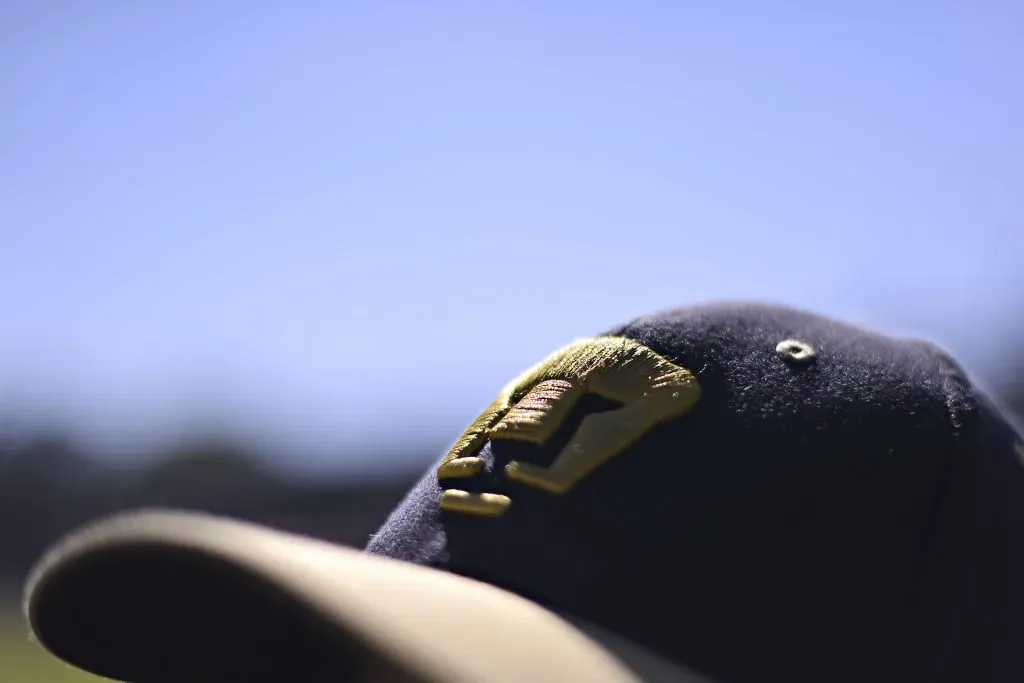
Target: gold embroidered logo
(531, 408)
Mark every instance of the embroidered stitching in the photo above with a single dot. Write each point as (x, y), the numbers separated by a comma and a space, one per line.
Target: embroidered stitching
(531, 408)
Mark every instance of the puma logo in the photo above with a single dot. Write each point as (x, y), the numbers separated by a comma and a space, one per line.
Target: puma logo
(531, 408)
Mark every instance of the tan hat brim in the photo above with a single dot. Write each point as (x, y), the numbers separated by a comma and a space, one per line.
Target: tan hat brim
(160, 596)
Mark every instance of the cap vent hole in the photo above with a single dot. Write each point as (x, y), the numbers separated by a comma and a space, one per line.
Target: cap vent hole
(795, 351)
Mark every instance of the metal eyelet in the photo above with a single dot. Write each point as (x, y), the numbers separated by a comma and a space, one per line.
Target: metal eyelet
(795, 351)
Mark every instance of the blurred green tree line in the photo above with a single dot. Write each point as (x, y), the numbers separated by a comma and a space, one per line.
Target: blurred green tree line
(48, 485)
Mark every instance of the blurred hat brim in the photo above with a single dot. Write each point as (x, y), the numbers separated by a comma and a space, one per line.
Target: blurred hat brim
(159, 596)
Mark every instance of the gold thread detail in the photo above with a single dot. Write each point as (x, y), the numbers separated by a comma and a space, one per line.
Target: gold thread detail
(531, 408)
(539, 414)
(479, 504)
(463, 467)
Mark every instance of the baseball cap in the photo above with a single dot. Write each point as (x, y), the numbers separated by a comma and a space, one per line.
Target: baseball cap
(732, 492)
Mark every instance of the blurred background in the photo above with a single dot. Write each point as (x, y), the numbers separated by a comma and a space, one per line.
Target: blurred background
(268, 259)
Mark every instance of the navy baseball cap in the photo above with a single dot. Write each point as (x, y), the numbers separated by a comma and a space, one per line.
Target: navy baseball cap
(739, 493)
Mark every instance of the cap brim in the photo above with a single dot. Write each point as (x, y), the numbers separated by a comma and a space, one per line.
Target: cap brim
(163, 596)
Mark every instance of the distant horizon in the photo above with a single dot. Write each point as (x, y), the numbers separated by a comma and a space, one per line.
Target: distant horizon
(324, 451)
(336, 224)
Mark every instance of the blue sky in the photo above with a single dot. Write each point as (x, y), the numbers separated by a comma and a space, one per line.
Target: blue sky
(338, 226)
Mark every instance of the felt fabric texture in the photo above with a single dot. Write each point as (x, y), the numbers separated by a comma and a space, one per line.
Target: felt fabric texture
(859, 516)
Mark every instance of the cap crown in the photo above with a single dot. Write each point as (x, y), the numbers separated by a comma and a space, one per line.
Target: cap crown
(758, 492)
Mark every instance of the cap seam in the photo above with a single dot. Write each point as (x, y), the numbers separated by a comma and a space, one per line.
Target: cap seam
(961, 406)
